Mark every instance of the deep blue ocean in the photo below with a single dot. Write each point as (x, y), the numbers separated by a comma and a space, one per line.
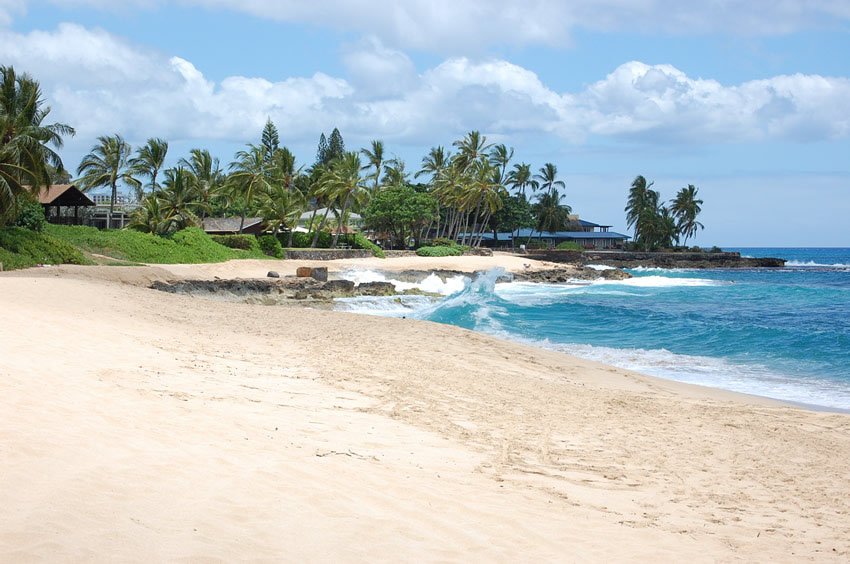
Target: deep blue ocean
(780, 333)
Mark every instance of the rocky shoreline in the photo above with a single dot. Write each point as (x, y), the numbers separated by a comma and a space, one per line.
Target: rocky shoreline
(296, 290)
(632, 259)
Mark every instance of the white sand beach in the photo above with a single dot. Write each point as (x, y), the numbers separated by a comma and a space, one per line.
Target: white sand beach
(142, 426)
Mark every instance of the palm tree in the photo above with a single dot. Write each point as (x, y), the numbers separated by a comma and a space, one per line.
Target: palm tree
(344, 184)
(106, 165)
(26, 156)
(686, 207)
(248, 178)
(179, 200)
(500, 156)
(282, 208)
(484, 192)
(394, 173)
(641, 208)
(521, 178)
(547, 178)
(149, 160)
(375, 159)
(209, 179)
(551, 214)
(148, 217)
(471, 148)
(434, 163)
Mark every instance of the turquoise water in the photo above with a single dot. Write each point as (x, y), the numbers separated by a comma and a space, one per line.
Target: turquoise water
(780, 333)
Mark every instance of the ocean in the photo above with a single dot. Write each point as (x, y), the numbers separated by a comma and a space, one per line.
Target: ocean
(779, 333)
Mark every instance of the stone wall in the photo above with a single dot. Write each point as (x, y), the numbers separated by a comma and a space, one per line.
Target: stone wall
(327, 254)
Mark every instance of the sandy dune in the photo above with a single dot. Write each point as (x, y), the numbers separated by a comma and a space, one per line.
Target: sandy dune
(142, 426)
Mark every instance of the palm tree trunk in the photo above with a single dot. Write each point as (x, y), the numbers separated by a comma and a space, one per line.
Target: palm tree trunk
(242, 222)
(321, 226)
(341, 217)
(112, 205)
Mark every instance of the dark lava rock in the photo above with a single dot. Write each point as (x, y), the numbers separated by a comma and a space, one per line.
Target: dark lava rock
(344, 287)
(376, 289)
(273, 274)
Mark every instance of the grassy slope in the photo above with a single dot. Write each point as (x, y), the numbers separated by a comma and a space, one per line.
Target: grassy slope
(188, 246)
(22, 248)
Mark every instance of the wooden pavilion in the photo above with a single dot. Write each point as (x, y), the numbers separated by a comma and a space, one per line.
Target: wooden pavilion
(57, 201)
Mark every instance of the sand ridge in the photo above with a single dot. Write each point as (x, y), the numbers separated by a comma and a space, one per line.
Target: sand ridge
(138, 425)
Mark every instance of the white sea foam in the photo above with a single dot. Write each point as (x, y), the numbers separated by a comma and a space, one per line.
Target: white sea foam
(813, 264)
(662, 282)
(432, 283)
(752, 379)
(383, 306)
(599, 267)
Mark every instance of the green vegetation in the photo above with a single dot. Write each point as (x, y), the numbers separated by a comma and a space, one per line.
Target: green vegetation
(188, 246)
(439, 251)
(569, 246)
(464, 193)
(656, 225)
(27, 157)
(23, 248)
(270, 246)
(30, 215)
(241, 242)
(361, 242)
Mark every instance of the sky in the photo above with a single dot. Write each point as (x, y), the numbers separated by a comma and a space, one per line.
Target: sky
(749, 100)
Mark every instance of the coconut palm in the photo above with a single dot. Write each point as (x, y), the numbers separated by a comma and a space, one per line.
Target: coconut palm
(344, 184)
(281, 209)
(179, 200)
(520, 178)
(685, 208)
(148, 217)
(394, 173)
(26, 156)
(434, 163)
(106, 165)
(375, 160)
(641, 208)
(248, 179)
(500, 157)
(470, 149)
(551, 214)
(547, 178)
(149, 160)
(209, 179)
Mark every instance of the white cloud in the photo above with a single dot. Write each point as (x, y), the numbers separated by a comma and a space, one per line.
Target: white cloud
(9, 9)
(101, 84)
(469, 26)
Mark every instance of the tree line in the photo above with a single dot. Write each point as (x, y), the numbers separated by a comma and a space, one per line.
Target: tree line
(460, 193)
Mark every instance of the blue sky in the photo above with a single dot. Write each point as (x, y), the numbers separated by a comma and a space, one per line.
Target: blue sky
(748, 100)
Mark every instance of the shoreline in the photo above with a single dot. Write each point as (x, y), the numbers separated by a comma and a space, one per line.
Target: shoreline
(164, 427)
(152, 275)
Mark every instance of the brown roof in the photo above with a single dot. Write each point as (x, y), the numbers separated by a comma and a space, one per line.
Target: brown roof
(53, 192)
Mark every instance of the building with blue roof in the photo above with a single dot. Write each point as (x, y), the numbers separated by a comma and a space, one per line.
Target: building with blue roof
(586, 234)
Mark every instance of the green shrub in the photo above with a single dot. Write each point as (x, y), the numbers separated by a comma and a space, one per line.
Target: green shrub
(301, 240)
(188, 246)
(270, 246)
(715, 249)
(241, 242)
(696, 249)
(23, 248)
(443, 242)
(31, 216)
(359, 241)
(439, 252)
(569, 246)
